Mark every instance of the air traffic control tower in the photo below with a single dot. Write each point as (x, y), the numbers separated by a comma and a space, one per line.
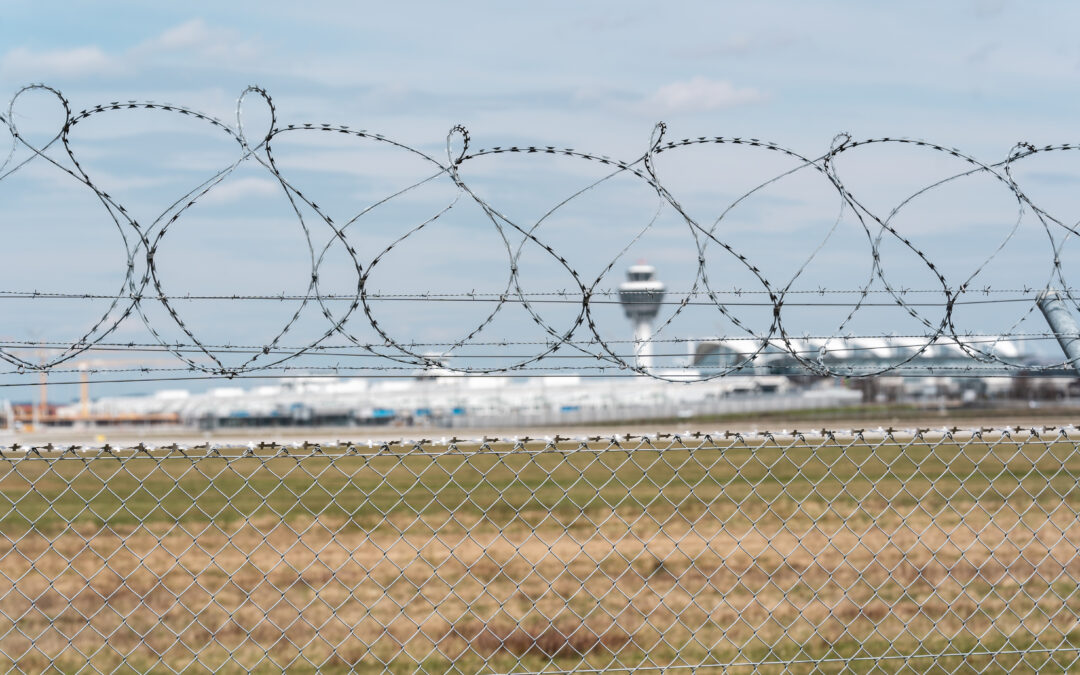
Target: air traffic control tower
(640, 296)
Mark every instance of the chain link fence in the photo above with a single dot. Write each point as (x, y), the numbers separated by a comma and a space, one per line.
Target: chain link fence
(826, 552)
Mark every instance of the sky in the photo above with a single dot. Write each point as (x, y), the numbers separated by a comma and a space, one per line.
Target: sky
(976, 75)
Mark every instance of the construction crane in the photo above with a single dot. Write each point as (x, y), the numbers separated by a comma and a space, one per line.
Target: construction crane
(87, 366)
(41, 410)
(39, 415)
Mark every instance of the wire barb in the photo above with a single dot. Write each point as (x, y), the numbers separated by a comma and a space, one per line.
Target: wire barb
(350, 314)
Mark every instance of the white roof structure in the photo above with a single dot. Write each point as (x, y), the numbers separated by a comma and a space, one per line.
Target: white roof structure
(443, 396)
(854, 351)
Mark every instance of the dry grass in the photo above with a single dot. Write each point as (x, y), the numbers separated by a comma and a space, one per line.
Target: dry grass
(569, 637)
(343, 595)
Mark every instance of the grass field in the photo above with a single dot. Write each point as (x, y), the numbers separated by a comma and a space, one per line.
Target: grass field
(498, 562)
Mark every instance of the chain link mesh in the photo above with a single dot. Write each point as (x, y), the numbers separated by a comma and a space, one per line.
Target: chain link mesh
(947, 552)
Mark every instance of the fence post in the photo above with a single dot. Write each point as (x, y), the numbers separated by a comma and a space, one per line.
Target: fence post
(1062, 323)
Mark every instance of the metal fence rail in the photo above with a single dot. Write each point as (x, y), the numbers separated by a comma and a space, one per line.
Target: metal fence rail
(830, 552)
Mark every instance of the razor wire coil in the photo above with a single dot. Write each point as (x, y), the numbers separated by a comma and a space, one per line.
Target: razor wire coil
(142, 284)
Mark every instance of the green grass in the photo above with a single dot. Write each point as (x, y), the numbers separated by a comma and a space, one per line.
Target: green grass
(52, 494)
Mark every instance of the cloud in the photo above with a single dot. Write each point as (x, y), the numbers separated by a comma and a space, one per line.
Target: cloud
(199, 38)
(743, 45)
(208, 44)
(188, 34)
(76, 62)
(1052, 178)
(700, 94)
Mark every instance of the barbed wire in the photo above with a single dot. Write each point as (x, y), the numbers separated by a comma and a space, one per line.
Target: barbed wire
(477, 295)
(543, 298)
(143, 292)
(141, 346)
(852, 370)
(958, 373)
(323, 351)
(542, 442)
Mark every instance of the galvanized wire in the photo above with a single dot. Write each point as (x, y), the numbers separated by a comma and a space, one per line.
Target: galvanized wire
(829, 551)
(346, 315)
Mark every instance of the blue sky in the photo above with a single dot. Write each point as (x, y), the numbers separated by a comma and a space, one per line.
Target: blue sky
(979, 75)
